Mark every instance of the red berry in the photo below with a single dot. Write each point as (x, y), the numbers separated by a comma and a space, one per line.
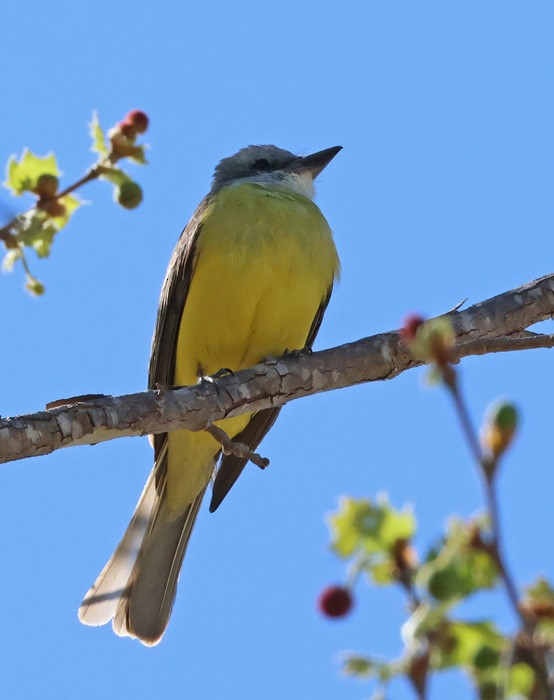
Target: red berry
(411, 324)
(335, 601)
(138, 120)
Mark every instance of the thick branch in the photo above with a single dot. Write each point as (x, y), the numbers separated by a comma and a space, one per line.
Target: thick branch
(273, 383)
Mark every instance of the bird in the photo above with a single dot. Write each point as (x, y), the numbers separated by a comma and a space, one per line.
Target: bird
(250, 278)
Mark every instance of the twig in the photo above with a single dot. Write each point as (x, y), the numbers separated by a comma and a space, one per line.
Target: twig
(487, 475)
(487, 478)
(238, 449)
(484, 346)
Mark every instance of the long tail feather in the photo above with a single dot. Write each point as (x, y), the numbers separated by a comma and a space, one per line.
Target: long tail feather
(101, 601)
(144, 608)
(138, 584)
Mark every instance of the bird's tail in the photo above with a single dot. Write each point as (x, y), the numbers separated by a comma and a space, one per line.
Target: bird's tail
(137, 586)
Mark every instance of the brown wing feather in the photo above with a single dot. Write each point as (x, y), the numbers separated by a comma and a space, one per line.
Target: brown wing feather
(231, 467)
(172, 301)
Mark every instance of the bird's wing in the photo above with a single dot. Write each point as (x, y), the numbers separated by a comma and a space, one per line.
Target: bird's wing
(231, 467)
(172, 302)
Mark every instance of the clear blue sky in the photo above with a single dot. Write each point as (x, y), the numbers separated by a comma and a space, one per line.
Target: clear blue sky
(444, 190)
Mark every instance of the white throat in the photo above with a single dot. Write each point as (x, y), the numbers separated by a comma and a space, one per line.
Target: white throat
(298, 183)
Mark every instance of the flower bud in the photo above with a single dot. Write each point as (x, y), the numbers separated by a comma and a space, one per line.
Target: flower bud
(129, 195)
(410, 327)
(34, 286)
(138, 120)
(54, 208)
(499, 428)
(47, 186)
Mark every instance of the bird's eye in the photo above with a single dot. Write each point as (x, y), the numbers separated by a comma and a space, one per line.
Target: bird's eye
(262, 165)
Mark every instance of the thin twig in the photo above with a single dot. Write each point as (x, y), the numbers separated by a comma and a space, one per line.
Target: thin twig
(496, 546)
(92, 174)
(490, 496)
(484, 346)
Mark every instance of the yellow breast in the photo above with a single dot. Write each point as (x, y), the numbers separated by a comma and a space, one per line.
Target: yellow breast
(265, 259)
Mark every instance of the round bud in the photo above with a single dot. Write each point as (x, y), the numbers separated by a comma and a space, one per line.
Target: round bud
(486, 657)
(137, 120)
(335, 601)
(129, 195)
(411, 324)
(499, 428)
(127, 129)
(47, 186)
(55, 208)
(34, 286)
(444, 584)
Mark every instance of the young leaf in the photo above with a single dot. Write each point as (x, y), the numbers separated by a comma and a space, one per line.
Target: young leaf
(460, 565)
(69, 203)
(98, 138)
(22, 176)
(37, 231)
(360, 525)
(11, 257)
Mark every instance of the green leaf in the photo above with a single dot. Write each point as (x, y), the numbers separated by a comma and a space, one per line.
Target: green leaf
(382, 572)
(98, 138)
(70, 203)
(522, 680)
(362, 526)
(501, 681)
(36, 230)
(122, 147)
(540, 592)
(476, 646)
(366, 667)
(377, 534)
(114, 175)
(139, 155)
(360, 666)
(460, 564)
(22, 176)
(539, 603)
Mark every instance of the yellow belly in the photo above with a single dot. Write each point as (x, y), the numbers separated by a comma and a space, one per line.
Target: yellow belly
(264, 262)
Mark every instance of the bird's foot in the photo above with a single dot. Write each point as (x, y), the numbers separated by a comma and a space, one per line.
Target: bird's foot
(237, 449)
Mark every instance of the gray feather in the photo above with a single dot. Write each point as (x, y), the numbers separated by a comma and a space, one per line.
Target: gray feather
(138, 584)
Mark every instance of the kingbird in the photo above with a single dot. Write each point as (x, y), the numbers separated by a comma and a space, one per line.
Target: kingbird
(250, 278)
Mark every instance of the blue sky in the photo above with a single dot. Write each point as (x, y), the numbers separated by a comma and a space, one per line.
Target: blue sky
(444, 191)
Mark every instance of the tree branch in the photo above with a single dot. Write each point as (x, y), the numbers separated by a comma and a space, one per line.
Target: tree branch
(494, 325)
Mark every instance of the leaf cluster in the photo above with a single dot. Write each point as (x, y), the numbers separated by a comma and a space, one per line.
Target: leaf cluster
(36, 228)
(379, 542)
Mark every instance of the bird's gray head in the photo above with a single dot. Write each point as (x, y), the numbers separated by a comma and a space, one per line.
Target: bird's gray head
(272, 166)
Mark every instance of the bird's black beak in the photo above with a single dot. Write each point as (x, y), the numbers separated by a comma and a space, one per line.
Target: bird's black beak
(315, 162)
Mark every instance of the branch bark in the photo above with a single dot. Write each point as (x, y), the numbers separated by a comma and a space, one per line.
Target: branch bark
(495, 325)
